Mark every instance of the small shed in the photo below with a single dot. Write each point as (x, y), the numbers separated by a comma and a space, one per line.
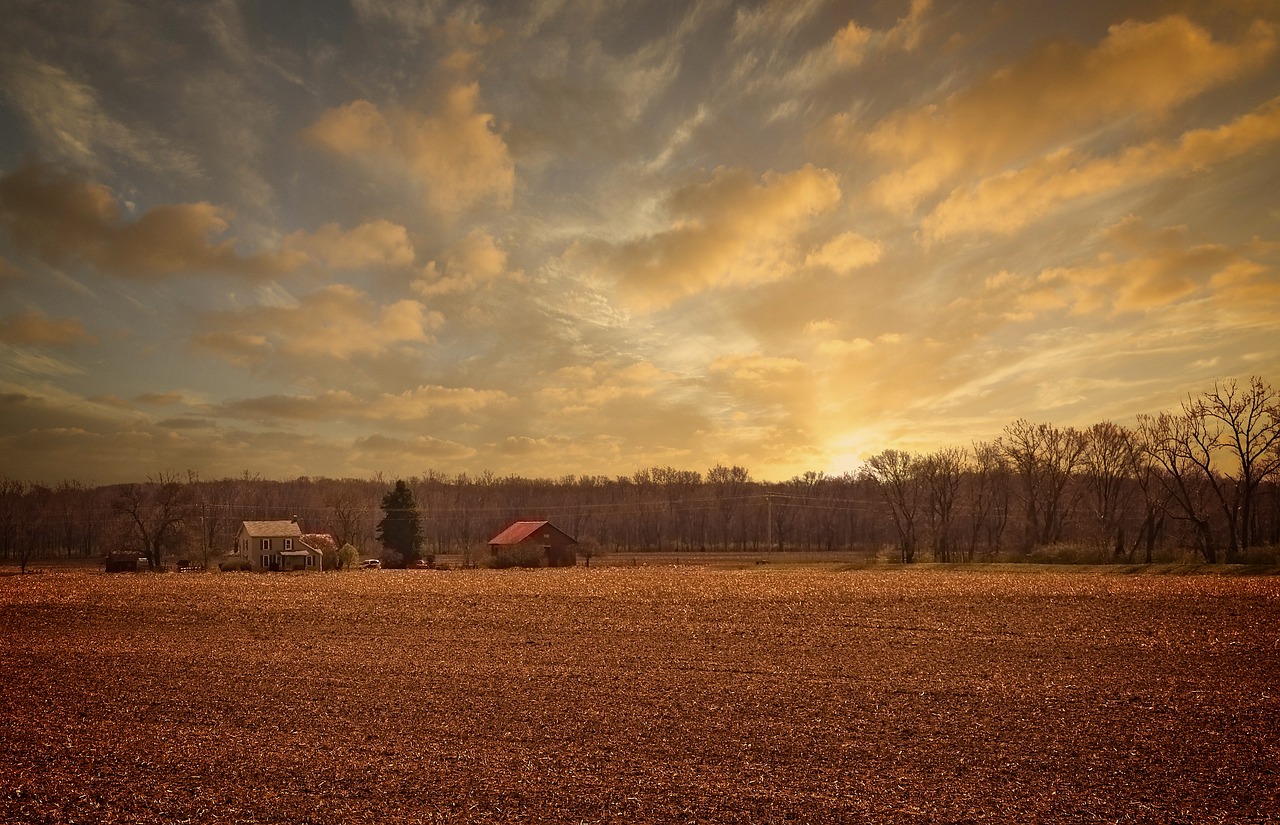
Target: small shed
(556, 544)
(126, 562)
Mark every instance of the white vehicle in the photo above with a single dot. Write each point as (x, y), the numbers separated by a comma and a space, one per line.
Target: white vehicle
(371, 564)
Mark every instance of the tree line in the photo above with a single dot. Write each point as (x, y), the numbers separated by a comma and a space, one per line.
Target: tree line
(1202, 479)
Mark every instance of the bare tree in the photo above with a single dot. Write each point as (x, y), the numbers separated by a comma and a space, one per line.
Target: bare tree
(1244, 424)
(155, 511)
(728, 486)
(1155, 497)
(11, 515)
(37, 513)
(1171, 442)
(897, 474)
(941, 473)
(1046, 459)
(987, 497)
(1107, 463)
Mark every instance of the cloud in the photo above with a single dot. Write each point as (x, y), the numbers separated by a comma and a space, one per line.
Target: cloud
(471, 262)
(69, 124)
(412, 405)
(338, 321)
(588, 388)
(62, 219)
(772, 57)
(35, 328)
(852, 43)
(845, 253)
(727, 231)
(1007, 202)
(1157, 269)
(1062, 91)
(379, 447)
(375, 244)
(840, 347)
(453, 154)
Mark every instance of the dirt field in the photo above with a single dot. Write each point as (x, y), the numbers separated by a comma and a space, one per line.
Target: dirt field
(639, 695)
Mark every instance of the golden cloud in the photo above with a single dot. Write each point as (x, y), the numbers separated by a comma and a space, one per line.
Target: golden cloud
(727, 231)
(62, 219)
(845, 253)
(411, 405)
(338, 321)
(1161, 268)
(586, 388)
(380, 447)
(1061, 92)
(476, 259)
(38, 329)
(1007, 202)
(375, 244)
(453, 154)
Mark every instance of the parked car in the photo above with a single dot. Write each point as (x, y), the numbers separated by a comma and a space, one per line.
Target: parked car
(371, 564)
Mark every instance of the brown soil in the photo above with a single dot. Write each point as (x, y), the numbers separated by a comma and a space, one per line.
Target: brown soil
(639, 695)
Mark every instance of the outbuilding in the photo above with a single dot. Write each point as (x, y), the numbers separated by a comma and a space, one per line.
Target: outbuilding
(555, 544)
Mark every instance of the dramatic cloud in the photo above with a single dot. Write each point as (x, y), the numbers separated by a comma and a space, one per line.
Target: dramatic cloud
(1006, 203)
(35, 328)
(453, 154)
(338, 321)
(567, 237)
(376, 244)
(70, 124)
(1061, 91)
(65, 220)
(727, 231)
(473, 261)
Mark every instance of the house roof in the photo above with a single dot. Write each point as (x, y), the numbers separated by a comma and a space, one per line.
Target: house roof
(272, 529)
(522, 530)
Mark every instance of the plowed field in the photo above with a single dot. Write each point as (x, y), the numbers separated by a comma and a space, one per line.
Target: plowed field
(639, 695)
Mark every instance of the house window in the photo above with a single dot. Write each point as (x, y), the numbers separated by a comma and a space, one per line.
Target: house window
(311, 562)
(266, 544)
(288, 544)
(266, 561)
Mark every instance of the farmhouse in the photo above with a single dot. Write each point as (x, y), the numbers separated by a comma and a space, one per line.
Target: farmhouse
(556, 544)
(279, 545)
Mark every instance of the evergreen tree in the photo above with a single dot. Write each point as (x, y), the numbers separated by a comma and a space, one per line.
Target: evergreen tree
(401, 526)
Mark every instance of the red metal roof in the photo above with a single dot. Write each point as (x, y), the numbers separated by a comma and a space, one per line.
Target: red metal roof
(518, 532)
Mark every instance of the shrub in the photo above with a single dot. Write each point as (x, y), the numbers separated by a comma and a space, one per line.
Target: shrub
(235, 566)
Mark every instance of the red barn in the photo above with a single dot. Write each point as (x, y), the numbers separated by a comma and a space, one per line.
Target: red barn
(555, 544)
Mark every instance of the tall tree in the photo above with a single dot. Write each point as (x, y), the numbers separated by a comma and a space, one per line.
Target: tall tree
(1170, 441)
(155, 512)
(987, 497)
(401, 527)
(1108, 461)
(1245, 424)
(1046, 459)
(898, 475)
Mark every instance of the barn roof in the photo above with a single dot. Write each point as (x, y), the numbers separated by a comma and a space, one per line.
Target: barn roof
(272, 529)
(522, 530)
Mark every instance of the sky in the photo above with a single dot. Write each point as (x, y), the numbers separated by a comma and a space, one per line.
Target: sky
(592, 236)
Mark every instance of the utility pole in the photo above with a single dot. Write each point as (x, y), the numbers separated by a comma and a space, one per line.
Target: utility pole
(768, 523)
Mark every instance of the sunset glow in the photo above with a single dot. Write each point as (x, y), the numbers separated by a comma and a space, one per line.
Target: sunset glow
(338, 239)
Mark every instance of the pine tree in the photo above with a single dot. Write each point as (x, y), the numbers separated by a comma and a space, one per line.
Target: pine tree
(401, 526)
